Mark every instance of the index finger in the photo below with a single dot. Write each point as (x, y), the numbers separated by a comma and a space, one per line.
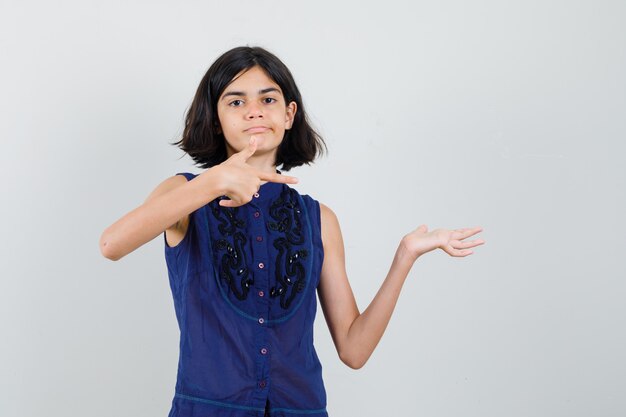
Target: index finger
(274, 177)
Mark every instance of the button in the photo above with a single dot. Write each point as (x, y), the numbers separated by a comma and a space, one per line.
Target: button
(261, 265)
(256, 195)
(259, 238)
(263, 351)
(257, 214)
(262, 384)
(261, 320)
(261, 293)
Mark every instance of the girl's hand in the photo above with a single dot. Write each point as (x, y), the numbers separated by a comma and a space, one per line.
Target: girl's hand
(240, 181)
(421, 241)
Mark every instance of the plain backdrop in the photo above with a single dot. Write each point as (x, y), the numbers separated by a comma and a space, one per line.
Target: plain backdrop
(510, 115)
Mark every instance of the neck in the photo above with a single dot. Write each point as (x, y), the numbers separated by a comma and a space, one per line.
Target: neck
(264, 163)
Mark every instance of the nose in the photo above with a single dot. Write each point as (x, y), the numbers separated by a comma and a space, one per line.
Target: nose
(254, 111)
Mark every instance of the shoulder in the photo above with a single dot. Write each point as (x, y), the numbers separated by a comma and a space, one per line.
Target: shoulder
(167, 185)
(329, 224)
(327, 213)
(177, 230)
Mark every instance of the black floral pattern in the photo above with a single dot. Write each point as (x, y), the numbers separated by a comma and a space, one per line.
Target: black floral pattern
(233, 267)
(289, 270)
(232, 245)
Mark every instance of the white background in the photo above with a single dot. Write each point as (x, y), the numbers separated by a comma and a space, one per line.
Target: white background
(510, 115)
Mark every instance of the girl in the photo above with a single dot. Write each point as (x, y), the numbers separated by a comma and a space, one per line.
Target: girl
(245, 252)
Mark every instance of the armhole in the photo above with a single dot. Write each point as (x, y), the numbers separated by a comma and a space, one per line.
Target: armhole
(314, 207)
(315, 215)
(185, 238)
(318, 215)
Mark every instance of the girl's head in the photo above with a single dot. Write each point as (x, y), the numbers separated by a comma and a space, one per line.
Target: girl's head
(249, 87)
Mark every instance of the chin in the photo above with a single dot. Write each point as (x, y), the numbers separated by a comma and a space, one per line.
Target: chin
(263, 142)
(260, 140)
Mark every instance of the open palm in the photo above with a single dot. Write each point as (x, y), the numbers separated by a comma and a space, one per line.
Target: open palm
(421, 241)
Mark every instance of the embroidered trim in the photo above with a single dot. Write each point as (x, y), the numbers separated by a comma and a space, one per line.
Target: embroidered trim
(294, 261)
(287, 213)
(233, 264)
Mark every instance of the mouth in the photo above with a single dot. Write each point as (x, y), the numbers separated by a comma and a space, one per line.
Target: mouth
(257, 129)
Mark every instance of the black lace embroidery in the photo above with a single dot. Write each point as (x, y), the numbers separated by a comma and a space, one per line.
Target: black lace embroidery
(230, 249)
(287, 215)
(233, 265)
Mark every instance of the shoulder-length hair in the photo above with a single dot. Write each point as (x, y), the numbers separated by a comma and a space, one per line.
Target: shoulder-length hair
(202, 137)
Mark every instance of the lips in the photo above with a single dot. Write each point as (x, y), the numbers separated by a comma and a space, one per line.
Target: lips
(257, 129)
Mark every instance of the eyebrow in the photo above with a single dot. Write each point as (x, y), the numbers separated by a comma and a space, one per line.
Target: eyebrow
(242, 93)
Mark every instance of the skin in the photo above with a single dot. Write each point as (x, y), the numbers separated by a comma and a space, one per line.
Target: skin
(250, 163)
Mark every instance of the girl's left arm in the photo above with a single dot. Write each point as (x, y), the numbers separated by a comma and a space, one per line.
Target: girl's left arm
(356, 334)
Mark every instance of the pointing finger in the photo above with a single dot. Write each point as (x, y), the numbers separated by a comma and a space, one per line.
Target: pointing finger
(273, 177)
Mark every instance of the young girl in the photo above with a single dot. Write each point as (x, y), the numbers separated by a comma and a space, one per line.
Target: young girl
(246, 253)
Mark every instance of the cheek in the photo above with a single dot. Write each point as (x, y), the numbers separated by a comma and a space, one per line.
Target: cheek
(227, 122)
(223, 116)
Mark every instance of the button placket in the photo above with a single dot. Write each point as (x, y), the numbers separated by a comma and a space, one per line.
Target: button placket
(260, 259)
(259, 238)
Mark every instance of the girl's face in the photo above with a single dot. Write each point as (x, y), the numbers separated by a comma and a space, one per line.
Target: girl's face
(253, 105)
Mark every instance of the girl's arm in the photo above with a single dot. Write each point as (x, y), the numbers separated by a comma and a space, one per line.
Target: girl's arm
(176, 198)
(170, 201)
(356, 334)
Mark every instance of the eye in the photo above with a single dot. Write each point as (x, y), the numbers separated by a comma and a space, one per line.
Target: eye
(235, 103)
(269, 100)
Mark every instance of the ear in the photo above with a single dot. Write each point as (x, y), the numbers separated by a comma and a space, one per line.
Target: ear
(290, 114)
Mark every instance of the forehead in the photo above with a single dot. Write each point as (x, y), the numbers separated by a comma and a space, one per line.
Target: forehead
(250, 81)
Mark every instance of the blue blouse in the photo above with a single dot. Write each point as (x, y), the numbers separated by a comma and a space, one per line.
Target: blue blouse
(244, 282)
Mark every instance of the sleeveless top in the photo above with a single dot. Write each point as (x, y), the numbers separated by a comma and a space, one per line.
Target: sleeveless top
(244, 285)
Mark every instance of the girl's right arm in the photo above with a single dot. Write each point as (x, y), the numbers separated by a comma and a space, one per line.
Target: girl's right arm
(172, 200)
(175, 198)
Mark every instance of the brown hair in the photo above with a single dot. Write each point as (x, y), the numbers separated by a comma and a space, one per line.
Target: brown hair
(202, 138)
